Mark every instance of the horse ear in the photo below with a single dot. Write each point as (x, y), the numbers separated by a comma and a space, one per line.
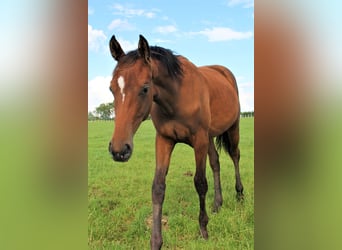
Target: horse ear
(115, 49)
(144, 49)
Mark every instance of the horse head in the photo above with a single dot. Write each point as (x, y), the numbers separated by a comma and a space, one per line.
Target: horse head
(131, 86)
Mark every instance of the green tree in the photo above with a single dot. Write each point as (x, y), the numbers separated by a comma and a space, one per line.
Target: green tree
(91, 116)
(105, 111)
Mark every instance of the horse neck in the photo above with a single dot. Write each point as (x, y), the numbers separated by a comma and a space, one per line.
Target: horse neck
(165, 90)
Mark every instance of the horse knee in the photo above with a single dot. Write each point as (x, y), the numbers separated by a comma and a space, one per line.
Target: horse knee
(201, 185)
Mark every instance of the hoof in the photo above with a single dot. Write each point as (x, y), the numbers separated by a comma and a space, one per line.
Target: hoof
(204, 233)
(216, 208)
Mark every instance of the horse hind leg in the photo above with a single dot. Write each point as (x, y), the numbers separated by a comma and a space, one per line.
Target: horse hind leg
(215, 166)
(234, 152)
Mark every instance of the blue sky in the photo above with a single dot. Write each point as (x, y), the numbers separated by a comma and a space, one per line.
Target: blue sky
(206, 32)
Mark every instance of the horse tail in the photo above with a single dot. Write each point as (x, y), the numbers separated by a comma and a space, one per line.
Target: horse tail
(222, 141)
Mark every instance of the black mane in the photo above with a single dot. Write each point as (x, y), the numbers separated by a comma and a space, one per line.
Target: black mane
(164, 56)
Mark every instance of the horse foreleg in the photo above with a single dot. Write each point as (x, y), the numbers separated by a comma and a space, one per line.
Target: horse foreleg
(164, 149)
(215, 166)
(200, 180)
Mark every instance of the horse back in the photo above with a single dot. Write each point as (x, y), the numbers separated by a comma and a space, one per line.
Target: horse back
(229, 78)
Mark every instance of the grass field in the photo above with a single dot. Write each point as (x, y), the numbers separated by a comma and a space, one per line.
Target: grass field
(119, 195)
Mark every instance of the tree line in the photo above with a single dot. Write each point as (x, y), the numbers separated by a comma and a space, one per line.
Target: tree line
(103, 112)
(247, 114)
(106, 112)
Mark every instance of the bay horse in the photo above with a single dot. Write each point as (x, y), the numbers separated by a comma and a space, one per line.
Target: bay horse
(187, 104)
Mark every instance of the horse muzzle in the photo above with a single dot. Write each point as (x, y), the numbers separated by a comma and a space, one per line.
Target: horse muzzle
(123, 154)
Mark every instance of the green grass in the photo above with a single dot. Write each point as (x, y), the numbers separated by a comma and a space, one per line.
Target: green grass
(119, 195)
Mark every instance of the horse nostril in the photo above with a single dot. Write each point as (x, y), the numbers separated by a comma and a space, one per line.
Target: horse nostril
(127, 148)
(117, 156)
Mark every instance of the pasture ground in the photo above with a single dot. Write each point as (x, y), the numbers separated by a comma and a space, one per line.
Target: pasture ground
(119, 195)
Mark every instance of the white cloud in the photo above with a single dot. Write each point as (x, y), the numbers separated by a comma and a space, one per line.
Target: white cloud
(166, 29)
(98, 92)
(244, 3)
(119, 24)
(149, 14)
(218, 34)
(246, 101)
(127, 45)
(130, 12)
(96, 38)
(246, 95)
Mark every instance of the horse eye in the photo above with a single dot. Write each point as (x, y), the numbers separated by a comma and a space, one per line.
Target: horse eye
(144, 90)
